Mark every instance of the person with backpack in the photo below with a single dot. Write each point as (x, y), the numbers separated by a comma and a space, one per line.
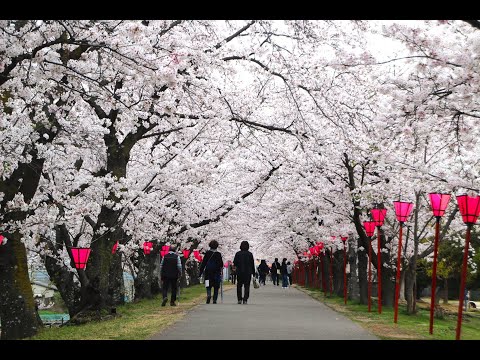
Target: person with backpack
(212, 265)
(275, 271)
(245, 264)
(170, 271)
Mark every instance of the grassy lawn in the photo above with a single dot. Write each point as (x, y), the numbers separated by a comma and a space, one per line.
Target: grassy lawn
(138, 321)
(408, 326)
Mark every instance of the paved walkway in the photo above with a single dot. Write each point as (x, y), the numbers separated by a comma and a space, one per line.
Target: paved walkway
(272, 313)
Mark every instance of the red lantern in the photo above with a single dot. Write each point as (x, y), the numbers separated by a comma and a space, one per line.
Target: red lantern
(344, 238)
(114, 248)
(313, 250)
(378, 216)
(1, 239)
(470, 209)
(163, 252)
(226, 264)
(147, 247)
(80, 256)
(196, 253)
(369, 227)
(186, 253)
(402, 210)
(320, 246)
(439, 204)
(166, 248)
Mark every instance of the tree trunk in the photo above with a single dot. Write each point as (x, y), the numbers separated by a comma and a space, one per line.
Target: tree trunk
(445, 291)
(143, 281)
(410, 296)
(354, 289)
(64, 281)
(363, 275)
(17, 306)
(411, 270)
(338, 273)
(388, 286)
(116, 290)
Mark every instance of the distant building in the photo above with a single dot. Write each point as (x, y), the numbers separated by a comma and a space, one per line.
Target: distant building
(43, 294)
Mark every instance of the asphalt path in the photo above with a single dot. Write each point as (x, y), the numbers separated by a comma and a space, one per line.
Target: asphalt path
(272, 313)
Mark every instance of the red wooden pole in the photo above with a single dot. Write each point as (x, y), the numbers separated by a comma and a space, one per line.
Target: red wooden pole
(463, 283)
(370, 276)
(397, 279)
(434, 273)
(379, 270)
(331, 272)
(345, 272)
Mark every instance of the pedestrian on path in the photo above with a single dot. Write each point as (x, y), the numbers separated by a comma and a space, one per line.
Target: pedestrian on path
(263, 271)
(289, 272)
(170, 271)
(245, 265)
(284, 273)
(275, 271)
(233, 273)
(212, 264)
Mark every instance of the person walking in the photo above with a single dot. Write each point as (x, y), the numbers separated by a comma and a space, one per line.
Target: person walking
(212, 264)
(233, 273)
(289, 272)
(245, 265)
(284, 273)
(263, 271)
(275, 271)
(170, 271)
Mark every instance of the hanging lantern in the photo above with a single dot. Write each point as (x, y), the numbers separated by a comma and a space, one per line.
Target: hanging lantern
(402, 210)
(147, 247)
(1, 239)
(226, 264)
(469, 207)
(166, 248)
(114, 248)
(313, 250)
(80, 256)
(163, 252)
(186, 253)
(378, 216)
(344, 238)
(369, 227)
(196, 253)
(439, 203)
(320, 246)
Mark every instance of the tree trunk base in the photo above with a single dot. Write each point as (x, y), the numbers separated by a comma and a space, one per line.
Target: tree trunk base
(87, 316)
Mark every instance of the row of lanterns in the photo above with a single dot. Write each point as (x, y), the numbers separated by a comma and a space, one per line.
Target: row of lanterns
(470, 210)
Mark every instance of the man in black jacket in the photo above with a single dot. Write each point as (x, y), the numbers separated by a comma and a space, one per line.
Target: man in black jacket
(245, 265)
(275, 271)
(170, 271)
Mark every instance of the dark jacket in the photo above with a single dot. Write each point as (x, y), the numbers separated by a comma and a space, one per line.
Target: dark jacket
(275, 266)
(283, 268)
(243, 260)
(169, 267)
(212, 264)
(263, 268)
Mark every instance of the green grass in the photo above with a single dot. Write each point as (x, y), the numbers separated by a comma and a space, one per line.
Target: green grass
(138, 321)
(408, 326)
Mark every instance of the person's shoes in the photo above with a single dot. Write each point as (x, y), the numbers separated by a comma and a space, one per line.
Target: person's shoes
(239, 301)
(208, 299)
(164, 301)
(245, 302)
(173, 304)
(214, 301)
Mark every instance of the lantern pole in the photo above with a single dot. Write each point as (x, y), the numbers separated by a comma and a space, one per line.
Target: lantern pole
(379, 270)
(463, 282)
(434, 273)
(345, 272)
(331, 271)
(369, 274)
(397, 279)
